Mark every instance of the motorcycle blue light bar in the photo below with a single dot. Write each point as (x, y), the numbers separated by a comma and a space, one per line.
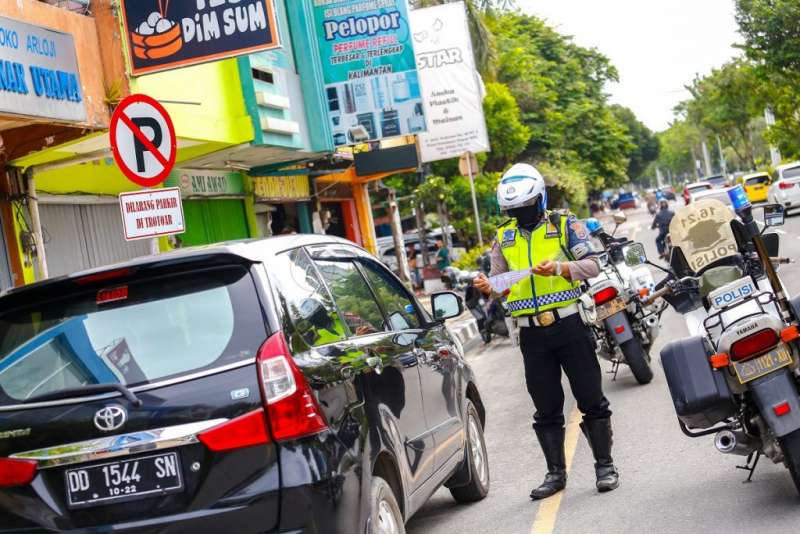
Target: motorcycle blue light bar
(738, 198)
(593, 225)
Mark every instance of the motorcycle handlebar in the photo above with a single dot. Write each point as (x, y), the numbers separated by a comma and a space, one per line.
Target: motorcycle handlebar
(781, 261)
(666, 290)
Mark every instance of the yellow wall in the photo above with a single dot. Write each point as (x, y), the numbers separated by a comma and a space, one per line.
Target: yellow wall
(221, 115)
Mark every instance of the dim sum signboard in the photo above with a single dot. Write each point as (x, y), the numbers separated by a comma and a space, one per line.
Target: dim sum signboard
(165, 35)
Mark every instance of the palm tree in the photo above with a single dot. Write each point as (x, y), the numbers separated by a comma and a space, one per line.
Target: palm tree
(482, 38)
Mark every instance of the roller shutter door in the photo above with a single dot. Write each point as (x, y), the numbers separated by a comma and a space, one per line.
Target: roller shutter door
(79, 237)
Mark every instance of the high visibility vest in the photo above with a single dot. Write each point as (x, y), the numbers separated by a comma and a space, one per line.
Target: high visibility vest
(536, 294)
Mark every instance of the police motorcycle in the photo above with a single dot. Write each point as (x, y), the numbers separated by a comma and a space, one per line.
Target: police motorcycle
(623, 327)
(737, 376)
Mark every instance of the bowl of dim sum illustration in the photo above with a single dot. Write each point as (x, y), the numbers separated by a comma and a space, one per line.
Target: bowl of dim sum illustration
(157, 37)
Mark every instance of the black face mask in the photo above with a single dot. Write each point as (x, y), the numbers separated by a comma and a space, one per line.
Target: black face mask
(527, 217)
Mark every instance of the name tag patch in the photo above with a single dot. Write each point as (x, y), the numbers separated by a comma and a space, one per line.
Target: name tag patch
(551, 231)
(509, 237)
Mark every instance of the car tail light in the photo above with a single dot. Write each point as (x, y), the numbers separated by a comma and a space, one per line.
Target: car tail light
(754, 344)
(290, 403)
(604, 295)
(16, 472)
(245, 431)
(785, 185)
(104, 276)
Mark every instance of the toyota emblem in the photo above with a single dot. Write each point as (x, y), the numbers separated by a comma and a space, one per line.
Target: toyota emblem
(110, 418)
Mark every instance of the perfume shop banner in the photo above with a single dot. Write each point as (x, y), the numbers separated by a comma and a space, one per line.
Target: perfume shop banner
(452, 91)
(371, 81)
(165, 35)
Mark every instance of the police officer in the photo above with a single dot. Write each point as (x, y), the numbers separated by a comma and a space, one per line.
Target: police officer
(557, 250)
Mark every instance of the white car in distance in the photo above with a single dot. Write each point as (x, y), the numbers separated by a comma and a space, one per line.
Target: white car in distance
(785, 190)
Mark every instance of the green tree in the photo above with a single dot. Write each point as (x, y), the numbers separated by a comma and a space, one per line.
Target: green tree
(646, 146)
(508, 135)
(726, 103)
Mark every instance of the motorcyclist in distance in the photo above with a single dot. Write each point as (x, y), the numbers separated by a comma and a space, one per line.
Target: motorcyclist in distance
(661, 222)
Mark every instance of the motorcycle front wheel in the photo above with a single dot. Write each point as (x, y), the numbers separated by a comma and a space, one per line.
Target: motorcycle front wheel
(637, 360)
(790, 444)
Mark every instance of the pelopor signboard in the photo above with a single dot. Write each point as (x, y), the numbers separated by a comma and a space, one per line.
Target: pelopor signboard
(165, 35)
(371, 83)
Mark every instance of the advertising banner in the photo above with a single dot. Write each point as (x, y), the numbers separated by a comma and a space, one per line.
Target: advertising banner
(204, 183)
(166, 35)
(371, 83)
(39, 73)
(453, 99)
(292, 187)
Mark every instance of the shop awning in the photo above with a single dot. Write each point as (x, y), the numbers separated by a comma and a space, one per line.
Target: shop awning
(349, 176)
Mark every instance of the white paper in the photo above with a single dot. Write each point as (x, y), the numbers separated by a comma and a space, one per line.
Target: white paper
(504, 281)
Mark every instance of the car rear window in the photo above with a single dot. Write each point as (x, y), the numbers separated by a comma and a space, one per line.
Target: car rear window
(755, 180)
(792, 172)
(700, 187)
(132, 334)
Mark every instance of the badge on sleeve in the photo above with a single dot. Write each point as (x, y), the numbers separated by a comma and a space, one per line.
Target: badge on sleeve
(509, 237)
(551, 231)
(579, 229)
(581, 250)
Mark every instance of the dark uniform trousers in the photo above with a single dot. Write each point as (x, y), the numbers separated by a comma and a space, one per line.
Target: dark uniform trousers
(546, 350)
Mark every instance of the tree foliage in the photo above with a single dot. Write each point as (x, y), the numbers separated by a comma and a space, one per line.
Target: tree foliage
(509, 136)
(646, 145)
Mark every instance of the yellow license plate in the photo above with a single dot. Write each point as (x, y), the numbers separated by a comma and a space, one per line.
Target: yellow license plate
(610, 308)
(749, 370)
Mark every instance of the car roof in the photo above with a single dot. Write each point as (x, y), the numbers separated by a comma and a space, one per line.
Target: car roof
(787, 166)
(242, 251)
(695, 184)
(720, 194)
(755, 175)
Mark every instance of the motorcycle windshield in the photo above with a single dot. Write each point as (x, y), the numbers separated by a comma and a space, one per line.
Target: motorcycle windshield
(703, 232)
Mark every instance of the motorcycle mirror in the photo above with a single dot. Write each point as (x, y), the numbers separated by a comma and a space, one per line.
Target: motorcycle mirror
(634, 254)
(619, 217)
(774, 215)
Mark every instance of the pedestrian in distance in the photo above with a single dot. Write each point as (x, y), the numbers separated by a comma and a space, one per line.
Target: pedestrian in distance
(442, 255)
(556, 249)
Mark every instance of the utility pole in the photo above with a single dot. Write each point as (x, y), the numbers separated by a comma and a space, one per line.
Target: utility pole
(774, 153)
(722, 158)
(707, 159)
(397, 237)
(695, 164)
(420, 214)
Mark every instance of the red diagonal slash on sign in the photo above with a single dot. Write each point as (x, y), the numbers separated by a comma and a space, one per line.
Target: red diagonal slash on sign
(144, 140)
(167, 161)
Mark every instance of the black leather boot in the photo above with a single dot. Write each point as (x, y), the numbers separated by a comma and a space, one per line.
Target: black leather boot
(599, 434)
(552, 443)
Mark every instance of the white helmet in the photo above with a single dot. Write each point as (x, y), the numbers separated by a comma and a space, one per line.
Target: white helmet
(522, 185)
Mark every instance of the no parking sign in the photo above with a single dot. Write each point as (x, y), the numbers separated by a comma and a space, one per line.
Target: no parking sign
(143, 140)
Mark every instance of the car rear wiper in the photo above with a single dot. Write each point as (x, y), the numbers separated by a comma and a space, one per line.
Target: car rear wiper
(82, 391)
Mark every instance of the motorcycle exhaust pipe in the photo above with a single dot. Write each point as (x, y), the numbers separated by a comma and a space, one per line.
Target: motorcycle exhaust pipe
(738, 443)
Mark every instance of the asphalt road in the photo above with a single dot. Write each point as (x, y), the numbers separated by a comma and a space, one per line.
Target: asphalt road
(669, 483)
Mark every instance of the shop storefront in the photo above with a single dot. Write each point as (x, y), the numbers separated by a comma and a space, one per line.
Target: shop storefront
(282, 204)
(214, 206)
(338, 212)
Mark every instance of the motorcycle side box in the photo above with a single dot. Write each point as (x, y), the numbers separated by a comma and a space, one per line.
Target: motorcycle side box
(700, 395)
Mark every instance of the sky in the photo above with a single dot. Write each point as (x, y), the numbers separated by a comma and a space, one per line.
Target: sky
(657, 45)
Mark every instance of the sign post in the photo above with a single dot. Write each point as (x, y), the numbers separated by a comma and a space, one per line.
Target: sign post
(468, 165)
(145, 147)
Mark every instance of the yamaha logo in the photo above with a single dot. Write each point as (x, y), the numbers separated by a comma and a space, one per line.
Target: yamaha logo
(110, 418)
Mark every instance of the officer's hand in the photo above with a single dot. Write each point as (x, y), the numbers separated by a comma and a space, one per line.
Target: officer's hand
(546, 268)
(482, 284)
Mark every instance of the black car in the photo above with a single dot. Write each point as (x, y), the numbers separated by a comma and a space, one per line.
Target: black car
(283, 385)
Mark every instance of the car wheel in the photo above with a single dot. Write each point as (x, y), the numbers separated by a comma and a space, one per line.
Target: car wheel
(476, 462)
(385, 516)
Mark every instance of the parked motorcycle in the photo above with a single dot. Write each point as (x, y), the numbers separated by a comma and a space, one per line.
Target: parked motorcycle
(623, 327)
(737, 376)
(489, 314)
(455, 279)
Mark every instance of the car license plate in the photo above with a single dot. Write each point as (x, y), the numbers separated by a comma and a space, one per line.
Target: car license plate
(610, 308)
(749, 370)
(124, 480)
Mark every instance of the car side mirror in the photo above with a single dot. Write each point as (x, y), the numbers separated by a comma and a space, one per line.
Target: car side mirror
(446, 305)
(619, 217)
(774, 215)
(634, 254)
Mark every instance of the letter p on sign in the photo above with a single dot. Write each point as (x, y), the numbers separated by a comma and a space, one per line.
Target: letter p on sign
(143, 140)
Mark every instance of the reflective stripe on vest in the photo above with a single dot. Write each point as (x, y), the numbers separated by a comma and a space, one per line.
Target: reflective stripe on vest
(545, 244)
